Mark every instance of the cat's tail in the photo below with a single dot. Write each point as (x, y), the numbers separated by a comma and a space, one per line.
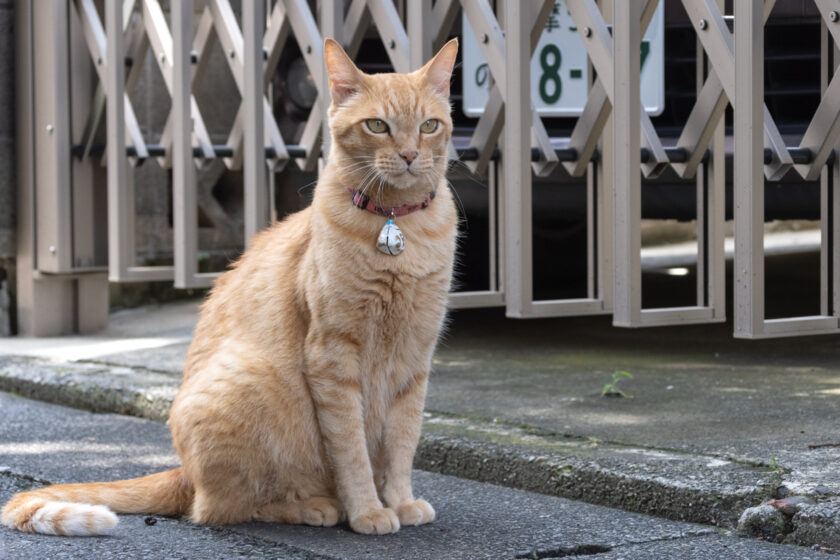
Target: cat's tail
(88, 509)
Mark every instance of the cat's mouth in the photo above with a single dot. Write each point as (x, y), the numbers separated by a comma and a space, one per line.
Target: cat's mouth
(403, 173)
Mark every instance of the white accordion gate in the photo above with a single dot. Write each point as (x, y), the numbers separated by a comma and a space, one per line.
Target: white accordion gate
(613, 144)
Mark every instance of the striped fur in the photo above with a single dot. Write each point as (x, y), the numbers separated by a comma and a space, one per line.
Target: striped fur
(88, 509)
(303, 389)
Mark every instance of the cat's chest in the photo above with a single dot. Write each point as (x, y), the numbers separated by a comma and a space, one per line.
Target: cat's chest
(383, 296)
(389, 287)
(389, 297)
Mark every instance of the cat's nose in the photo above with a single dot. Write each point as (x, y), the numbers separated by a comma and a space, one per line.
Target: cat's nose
(408, 155)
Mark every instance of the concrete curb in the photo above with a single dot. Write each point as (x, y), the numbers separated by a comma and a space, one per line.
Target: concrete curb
(666, 483)
(679, 486)
(91, 386)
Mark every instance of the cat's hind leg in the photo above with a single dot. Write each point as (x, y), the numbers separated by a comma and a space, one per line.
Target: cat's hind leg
(317, 511)
(213, 509)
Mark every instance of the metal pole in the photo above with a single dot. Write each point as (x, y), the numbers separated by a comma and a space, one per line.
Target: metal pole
(256, 193)
(517, 162)
(748, 177)
(419, 24)
(185, 199)
(627, 161)
(120, 238)
(332, 25)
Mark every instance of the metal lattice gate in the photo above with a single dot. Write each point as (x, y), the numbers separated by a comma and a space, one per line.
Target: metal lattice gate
(64, 265)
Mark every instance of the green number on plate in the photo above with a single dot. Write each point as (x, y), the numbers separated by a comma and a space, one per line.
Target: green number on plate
(481, 74)
(550, 60)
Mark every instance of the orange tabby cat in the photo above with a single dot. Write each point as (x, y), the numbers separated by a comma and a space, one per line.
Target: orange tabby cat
(303, 389)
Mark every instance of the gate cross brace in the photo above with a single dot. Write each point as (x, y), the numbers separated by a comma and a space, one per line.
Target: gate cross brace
(97, 43)
(824, 129)
(599, 45)
(718, 42)
(489, 127)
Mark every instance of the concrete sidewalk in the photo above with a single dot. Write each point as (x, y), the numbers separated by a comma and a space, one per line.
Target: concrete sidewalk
(715, 427)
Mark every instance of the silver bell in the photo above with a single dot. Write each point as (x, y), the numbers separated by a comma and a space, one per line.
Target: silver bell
(390, 240)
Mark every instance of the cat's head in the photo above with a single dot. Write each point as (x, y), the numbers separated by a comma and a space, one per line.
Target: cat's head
(390, 130)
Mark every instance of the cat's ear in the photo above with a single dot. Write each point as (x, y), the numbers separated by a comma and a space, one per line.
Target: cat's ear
(345, 78)
(438, 71)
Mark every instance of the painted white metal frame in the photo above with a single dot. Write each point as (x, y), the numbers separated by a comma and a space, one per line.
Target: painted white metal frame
(253, 56)
(121, 250)
(509, 112)
(710, 179)
(750, 321)
(730, 69)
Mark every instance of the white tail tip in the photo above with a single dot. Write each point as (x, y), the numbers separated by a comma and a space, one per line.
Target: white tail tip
(63, 518)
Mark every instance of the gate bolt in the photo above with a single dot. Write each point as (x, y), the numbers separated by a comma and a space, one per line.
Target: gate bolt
(834, 16)
(587, 32)
(703, 24)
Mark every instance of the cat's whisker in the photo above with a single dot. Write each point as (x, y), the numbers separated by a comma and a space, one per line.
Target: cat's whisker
(366, 181)
(380, 187)
(372, 176)
(360, 187)
(366, 160)
(306, 186)
(473, 177)
(458, 200)
(349, 174)
(355, 167)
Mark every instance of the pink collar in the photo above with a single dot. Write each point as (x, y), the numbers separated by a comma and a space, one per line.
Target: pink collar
(363, 202)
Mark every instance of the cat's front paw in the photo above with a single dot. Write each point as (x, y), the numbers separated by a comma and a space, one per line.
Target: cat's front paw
(418, 512)
(377, 522)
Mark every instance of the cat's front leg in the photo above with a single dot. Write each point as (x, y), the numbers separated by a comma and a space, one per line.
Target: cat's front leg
(332, 373)
(402, 433)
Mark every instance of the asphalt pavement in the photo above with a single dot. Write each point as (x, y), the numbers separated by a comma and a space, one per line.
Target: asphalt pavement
(45, 443)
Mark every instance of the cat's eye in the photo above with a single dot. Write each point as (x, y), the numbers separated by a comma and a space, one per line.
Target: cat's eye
(429, 126)
(377, 126)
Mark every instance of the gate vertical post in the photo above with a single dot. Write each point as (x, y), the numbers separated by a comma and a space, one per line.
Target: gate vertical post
(833, 210)
(602, 169)
(626, 162)
(332, 25)
(711, 226)
(419, 23)
(749, 169)
(254, 164)
(120, 193)
(517, 161)
(54, 296)
(42, 308)
(184, 202)
(829, 185)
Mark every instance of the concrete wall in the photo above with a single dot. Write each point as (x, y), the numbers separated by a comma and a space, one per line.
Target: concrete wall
(7, 130)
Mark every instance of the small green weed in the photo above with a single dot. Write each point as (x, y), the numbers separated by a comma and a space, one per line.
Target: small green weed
(611, 390)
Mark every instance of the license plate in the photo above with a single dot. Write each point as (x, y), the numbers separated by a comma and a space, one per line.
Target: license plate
(559, 70)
